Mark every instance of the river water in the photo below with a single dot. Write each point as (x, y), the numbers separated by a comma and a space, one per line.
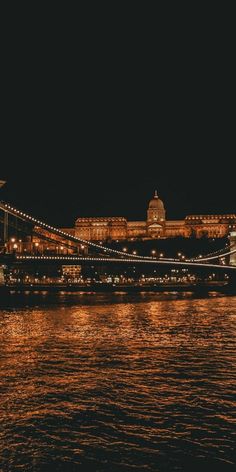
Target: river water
(118, 383)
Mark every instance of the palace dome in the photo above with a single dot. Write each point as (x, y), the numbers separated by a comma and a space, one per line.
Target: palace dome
(156, 203)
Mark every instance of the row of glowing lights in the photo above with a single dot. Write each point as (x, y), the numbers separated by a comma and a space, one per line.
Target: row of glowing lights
(103, 259)
(211, 217)
(15, 245)
(20, 213)
(108, 279)
(79, 258)
(153, 252)
(181, 256)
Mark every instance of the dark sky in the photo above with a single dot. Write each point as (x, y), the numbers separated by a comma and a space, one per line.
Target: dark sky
(96, 118)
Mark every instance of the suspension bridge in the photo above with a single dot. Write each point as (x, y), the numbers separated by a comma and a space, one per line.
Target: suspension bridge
(83, 252)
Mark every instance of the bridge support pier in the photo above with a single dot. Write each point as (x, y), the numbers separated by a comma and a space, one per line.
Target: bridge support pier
(2, 278)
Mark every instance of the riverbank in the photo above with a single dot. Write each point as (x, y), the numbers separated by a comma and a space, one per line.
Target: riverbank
(127, 288)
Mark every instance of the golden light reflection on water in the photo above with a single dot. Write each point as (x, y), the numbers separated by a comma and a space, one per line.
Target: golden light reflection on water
(136, 374)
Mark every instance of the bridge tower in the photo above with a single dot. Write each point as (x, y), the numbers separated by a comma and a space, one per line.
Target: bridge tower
(5, 220)
(232, 239)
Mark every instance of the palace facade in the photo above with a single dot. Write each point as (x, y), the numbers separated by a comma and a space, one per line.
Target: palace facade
(156, 226)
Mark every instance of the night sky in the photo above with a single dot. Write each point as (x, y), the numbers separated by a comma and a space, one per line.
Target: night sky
(93, 124)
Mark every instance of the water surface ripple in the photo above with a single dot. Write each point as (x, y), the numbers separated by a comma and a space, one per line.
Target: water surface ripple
(107, 386)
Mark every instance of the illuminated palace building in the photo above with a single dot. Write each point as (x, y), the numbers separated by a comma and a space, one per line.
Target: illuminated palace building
(156, 226)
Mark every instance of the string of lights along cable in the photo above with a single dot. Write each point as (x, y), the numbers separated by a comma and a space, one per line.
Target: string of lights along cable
(128, 257)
